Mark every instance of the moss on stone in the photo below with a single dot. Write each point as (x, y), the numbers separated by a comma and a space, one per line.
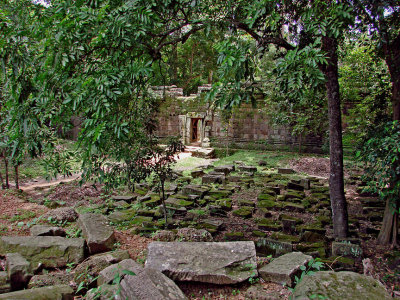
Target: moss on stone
(243, 212)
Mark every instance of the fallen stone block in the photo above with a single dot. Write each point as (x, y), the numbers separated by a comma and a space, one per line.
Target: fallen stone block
(272, 247)
(96, 263)
(108, 274)
(50, 280)
(48, 251)
(5, 286)
(98, 234)
(346, 249)
(225, 169)
(286, 171)
(18, 271)
(44, 230)
(207, 179)
(150, 284)
(340, 285)
(127, 198)
(217, 263)
(283, 269)
(63, 292)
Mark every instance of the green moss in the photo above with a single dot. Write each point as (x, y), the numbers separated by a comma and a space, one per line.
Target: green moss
(264, 197)
(225, 204)
(243, 212)
(234, 236)
(268, 204)
(285, 237)
(259, 233)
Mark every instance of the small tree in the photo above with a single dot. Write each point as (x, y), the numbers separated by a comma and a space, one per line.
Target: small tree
(381, 155)
(161, 163)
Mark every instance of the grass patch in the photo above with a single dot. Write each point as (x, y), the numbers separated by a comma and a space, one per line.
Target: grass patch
(23, 214)
(252, 157)
(190, 163)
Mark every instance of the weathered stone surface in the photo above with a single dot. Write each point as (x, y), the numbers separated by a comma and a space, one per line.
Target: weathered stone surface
(150, 284)
(62, 214)
(244, 212)
(283, 269)
(121, 216)
(286, 171)
(127, 198)
(5, 286)
(193, 235)
(96, 263)
(44, 230)
(165, 236)
(218, 263)
(107, 275)
(57, 292)
(204, 153)
(211, 225)
(192, 189)
(249, 169)
(18, 271)
(103, 292)
(272, 247)
(98, 234)
(257, 292)
(197, 173)
(50, 280)
(340, 285)
(174, 202)
(50, 251)
(209, 178)
(225, 169)
(346, 249)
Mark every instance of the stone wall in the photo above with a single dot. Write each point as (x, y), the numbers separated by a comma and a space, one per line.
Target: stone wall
(246, 127)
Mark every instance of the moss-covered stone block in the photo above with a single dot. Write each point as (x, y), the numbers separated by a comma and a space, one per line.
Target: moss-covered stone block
(243, 212)
(258, 233)
(266, 197)
(234, 236)
(225, 204)
(269, 225)
(245, 202)
(285, 237)
(174, 202)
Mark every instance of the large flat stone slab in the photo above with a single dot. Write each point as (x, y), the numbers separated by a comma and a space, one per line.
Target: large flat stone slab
(150, 284)
(58, 292)
(340, 285)
(98, 234)
(283, 269)
(218, 263)
(50, 251)
(107, 275)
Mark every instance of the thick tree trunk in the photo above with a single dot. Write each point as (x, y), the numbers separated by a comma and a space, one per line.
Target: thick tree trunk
(389, 230)
(336, 182)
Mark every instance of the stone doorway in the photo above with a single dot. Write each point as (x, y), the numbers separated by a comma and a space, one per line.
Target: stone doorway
(195, 132)
(191, 127)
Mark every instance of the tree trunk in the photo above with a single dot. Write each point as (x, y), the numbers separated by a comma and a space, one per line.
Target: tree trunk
(210, 77)
(16, 177)
(6, 171)
(336, 183)
(3, 186)
(389, 230)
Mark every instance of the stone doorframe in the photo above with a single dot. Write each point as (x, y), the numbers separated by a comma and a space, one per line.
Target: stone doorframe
(185, 126)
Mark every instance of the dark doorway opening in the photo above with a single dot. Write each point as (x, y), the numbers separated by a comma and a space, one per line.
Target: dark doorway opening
(195, 132)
